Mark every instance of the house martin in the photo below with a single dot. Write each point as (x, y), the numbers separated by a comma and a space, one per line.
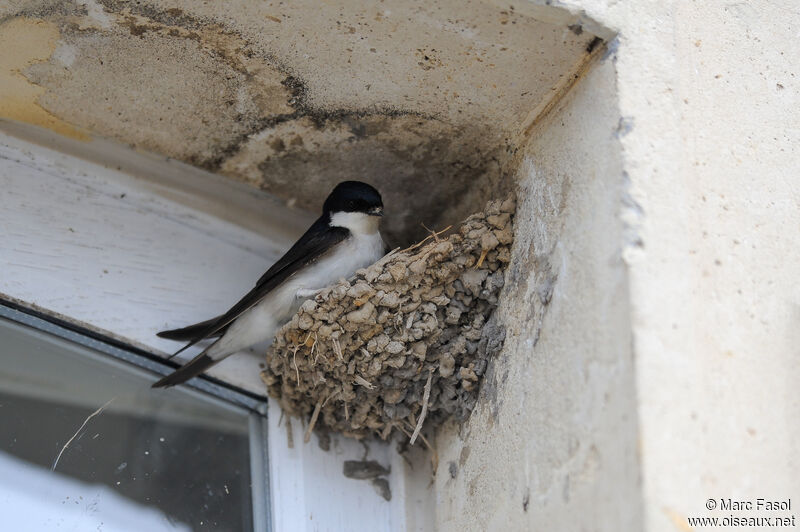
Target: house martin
(342, 240)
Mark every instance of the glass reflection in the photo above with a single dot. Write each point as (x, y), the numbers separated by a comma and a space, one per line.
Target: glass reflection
(150, 460)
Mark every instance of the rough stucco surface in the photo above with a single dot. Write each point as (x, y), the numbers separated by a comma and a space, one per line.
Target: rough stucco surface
(713, 161)
(25, 42)
(555, 422)
(709, 134)
(295, 97)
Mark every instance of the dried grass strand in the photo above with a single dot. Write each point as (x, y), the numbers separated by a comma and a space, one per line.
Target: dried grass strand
(434, 235)
(314, 416)
(425, 396)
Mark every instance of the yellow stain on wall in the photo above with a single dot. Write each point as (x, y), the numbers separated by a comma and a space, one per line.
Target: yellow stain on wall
(23, 42)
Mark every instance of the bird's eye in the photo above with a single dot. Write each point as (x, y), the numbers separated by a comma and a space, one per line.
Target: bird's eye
(352, 205)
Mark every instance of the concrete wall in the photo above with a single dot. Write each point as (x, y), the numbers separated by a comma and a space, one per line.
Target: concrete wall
(556, 423)
(667, 359)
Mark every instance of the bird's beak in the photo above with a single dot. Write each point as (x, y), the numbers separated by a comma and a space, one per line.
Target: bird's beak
(375, 211)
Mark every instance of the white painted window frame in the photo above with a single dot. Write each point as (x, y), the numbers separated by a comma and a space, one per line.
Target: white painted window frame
(127, 243)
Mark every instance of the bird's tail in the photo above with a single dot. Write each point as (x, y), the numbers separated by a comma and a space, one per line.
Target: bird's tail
(193, 368)
(187, 334)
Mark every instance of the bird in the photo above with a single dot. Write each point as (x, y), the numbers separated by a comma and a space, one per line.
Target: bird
(345, 238)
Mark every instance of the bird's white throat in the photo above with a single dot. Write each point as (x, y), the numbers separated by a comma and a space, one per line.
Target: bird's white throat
(356, 222)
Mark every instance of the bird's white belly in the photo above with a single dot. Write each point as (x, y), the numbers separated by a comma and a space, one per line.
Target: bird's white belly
(357, 251)
(254, 326)
(260, 323)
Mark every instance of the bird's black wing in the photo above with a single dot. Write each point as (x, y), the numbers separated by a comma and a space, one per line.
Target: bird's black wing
(319, 238)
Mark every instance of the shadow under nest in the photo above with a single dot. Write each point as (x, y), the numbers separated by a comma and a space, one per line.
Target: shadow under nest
(405, 342)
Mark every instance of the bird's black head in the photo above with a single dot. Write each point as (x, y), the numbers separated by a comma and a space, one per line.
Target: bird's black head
(354, 196)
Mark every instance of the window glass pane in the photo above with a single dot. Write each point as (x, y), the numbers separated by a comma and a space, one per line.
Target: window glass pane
(150, 460)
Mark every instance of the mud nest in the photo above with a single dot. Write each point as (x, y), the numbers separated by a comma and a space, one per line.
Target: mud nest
(362, 356)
